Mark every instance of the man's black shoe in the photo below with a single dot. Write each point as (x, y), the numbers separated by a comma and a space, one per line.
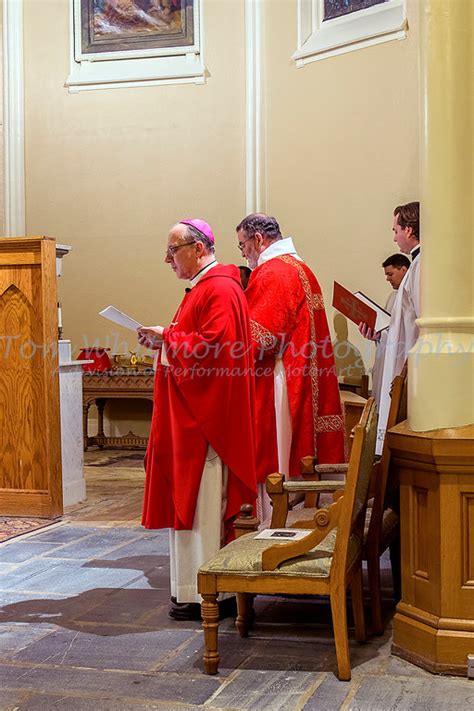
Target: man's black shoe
(227, 608)
(184, 611)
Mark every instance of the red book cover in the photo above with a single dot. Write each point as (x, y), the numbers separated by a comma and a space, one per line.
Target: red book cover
(352, 307)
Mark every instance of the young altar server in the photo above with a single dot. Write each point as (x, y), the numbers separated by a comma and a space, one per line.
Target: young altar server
(403, 331)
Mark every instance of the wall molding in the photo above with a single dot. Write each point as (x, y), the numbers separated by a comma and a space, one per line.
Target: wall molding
(14, 118)
(255, 197)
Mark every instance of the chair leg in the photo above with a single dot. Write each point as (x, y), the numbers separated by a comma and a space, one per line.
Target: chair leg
(358, 606)
(373, 571)
(244, 613)
(396, 568)
(339, 623)
(210, 624)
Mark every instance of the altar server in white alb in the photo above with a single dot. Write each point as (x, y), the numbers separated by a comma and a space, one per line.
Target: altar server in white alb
(403, 331)
(395, 267)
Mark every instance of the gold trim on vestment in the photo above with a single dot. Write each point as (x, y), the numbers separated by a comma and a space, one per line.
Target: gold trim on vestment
(263, 336)
(330, 423)
(313, 368)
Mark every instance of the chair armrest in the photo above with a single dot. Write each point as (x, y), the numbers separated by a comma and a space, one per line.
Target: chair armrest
(319, 486)
(312, 471)
(324, 469)
(325, 520)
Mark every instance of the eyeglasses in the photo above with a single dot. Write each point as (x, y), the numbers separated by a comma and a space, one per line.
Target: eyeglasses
(241, 244)
(172, 249)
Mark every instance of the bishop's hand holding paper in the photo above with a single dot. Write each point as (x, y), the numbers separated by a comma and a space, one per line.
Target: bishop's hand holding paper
(150, 336)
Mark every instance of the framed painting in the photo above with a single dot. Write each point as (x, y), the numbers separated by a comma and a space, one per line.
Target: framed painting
(155, 41)
(116, 29)
(337, 8)
(330, 27)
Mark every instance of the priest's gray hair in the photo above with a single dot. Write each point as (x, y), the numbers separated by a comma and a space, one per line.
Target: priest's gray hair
(194, 234)
(259, 222)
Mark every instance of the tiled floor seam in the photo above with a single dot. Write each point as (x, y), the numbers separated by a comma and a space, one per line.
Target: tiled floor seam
(177, 650)
(31, 534)
(354, 687)
(225, 682)
(87, 624)
(29, 667)
(64, 595)
(131, 700)
(306, 695)
(5, 660)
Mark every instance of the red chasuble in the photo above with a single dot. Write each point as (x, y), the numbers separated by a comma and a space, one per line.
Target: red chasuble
(288, 318)
(204, 397)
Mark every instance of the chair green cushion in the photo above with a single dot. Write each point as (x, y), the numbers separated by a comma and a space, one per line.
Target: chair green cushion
(299, 514)
(244, 555)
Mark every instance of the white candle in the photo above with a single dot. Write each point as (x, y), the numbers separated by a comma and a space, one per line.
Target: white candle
(60, 324)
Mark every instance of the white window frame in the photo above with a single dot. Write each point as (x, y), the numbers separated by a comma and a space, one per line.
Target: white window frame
(318, 39)
(146, 67)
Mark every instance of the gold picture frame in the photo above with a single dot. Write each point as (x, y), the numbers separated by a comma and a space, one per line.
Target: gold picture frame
(114, 29)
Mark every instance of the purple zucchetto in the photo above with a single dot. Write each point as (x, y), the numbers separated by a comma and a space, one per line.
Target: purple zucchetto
(200, 226)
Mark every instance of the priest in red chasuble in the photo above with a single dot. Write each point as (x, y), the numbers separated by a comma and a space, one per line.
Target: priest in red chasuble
(298, 407)
(200, 461)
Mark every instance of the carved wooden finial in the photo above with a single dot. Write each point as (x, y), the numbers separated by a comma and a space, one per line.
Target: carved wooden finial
(246, 511)
(274, 483)
(246, 521)
(307, 465)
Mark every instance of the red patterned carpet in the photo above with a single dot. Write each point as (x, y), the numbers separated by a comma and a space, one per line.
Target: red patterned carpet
(11, 526)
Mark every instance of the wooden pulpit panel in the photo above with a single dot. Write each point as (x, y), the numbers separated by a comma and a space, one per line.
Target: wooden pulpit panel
(30, 449)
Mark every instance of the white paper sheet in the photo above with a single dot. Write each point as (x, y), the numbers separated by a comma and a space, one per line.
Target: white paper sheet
(283, 535)
(121, 319)
(383, 318)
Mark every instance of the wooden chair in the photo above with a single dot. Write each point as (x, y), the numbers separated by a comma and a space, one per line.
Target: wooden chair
(382, 521)
(325, 562)
(382, 528)
(358, 385)
(352, 408)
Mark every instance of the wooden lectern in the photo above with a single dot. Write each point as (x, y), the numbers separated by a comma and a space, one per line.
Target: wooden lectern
(434, 623)
(30, 449)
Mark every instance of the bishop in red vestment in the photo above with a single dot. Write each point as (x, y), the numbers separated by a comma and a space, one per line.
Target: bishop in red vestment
(200, 461)
(298, 407)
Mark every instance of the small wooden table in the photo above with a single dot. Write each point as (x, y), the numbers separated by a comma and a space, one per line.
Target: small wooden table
(122, 383)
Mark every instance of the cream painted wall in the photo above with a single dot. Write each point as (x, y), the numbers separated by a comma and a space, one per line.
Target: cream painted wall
(342, 151)
(110, 171)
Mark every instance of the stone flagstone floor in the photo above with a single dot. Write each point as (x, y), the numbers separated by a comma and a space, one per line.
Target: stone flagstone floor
(84, 625)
